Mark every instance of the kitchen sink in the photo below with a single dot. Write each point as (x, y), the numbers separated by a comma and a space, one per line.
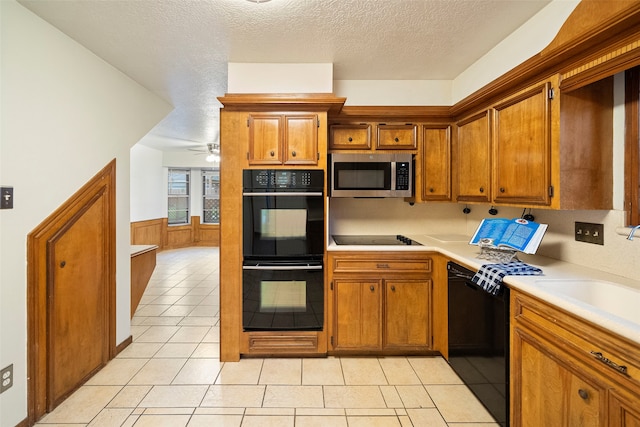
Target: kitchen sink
(612, 298)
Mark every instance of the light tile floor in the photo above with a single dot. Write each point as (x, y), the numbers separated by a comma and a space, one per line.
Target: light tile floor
(171, 375)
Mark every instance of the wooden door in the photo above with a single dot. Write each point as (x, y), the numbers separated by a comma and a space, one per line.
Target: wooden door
(265, 137)
(473, 159)
(78, 339)
(436, 163)
(301, 139)
(358, 315)
(548, 393)
(71, 316)
(407, 314)
(522, 144)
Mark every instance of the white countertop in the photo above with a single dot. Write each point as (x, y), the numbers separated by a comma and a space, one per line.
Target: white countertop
(458, 249)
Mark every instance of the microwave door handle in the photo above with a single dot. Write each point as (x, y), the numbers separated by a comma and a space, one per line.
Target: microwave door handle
(291, 194)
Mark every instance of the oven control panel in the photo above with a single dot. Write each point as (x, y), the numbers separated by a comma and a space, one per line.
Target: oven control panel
(283, 179)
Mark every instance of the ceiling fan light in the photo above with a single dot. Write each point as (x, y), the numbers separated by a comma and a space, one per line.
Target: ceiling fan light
(211, 158)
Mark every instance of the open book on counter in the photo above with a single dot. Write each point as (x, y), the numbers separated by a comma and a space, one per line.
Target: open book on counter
(517, 234)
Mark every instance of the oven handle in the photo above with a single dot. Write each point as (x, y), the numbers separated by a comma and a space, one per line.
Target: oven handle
(282, 267)
(297, 193)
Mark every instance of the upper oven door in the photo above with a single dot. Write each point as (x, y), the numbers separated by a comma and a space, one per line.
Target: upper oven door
(283, 225)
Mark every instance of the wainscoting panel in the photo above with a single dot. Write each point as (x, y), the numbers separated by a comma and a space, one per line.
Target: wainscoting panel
(158, 232)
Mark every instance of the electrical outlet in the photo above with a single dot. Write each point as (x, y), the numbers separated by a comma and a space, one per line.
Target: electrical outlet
(590, 233)
(6, 376)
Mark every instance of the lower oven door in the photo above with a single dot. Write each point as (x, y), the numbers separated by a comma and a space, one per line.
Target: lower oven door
(282, 296)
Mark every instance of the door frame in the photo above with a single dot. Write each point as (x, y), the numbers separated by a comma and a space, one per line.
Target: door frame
(38, 277)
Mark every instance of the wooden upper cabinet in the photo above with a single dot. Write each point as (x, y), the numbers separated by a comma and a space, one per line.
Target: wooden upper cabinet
(522, 147)
(350, 137)
(397, 137)
(473, 158)
(301, 139)
(436, 162)
(290, 139)
(265, 136)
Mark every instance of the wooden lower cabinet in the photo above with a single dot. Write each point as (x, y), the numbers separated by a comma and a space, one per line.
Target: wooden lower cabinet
(552, 393)
(380, 303)
(557, 378)
(358, 315)
(407, 314)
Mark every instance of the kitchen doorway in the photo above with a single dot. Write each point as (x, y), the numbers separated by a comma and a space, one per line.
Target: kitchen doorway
(71, 294)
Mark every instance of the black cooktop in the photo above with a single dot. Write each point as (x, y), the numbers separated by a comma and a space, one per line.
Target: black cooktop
(382, 240)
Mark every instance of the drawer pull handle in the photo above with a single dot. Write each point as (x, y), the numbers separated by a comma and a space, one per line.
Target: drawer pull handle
(350, 139)
(584, 395)
(372, 288)
(393, 288)
(382, 265)
(620, 368)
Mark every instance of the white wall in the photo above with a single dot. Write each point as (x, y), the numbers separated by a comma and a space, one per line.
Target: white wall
(65, 115)
(147, 199)
(527, 41)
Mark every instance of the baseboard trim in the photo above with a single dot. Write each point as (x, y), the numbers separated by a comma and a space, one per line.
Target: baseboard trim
(124, 344)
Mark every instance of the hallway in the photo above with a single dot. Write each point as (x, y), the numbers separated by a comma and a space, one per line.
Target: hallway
(171, 374)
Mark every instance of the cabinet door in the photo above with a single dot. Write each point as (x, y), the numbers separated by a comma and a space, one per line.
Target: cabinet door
(358, 315)
(474, 159)
(407, 314)
(522, 144)
(547, 392)
(397, 137)
(436, 163)
(265, 136)
(350, 137)
(301, 139)
(624, 410)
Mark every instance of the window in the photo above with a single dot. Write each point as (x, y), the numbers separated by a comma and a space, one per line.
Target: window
(178, 196)
(211, 196)
(632, 146)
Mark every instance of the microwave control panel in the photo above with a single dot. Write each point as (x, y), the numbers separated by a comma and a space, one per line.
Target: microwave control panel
(403, 172)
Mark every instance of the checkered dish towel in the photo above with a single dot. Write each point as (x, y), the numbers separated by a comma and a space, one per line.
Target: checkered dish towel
(490, 276)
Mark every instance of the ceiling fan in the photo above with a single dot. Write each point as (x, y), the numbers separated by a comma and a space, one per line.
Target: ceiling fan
(212, 151)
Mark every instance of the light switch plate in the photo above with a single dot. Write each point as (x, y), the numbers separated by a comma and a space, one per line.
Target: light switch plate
(6, 197)
(589, 233)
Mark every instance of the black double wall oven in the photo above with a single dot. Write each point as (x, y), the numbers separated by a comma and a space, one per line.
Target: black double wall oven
(283, 247)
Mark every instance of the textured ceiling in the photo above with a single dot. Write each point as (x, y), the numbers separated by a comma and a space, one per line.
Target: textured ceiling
(179, 49)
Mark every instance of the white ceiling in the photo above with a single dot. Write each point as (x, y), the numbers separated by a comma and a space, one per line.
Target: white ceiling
(179, 49)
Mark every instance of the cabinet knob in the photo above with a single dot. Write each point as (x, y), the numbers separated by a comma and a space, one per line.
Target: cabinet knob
(393, 288)
(502, 189)
(431, 190)
(397, 139)
(62, 264)
(350, 139)
(272, 153)
(293, 153)
(372, 288)
(482, 189)
(584, 395)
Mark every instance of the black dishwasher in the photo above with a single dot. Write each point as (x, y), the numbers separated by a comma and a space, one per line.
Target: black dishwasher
(479, 340)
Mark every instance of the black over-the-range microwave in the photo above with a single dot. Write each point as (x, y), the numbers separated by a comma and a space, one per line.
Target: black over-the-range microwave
(371, 175)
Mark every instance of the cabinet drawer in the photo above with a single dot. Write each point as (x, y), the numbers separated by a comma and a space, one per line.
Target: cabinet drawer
(613, 357)
(350, 137)
(365, 265)
(394, 137)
